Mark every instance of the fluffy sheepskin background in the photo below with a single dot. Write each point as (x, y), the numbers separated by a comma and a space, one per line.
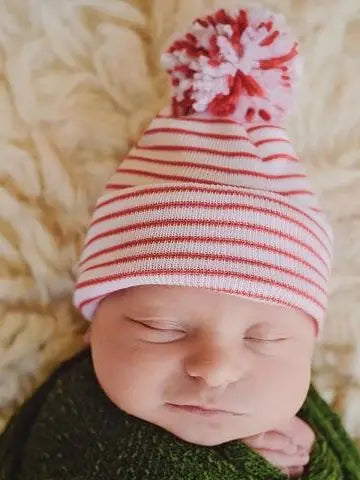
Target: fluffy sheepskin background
(79, 81)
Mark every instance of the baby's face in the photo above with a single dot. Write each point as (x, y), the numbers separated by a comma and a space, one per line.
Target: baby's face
(156, 348)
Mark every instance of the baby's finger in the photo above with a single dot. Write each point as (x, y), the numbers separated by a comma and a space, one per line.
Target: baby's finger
(271, 440)
(300, 431)
(294, 471)
(280, 459)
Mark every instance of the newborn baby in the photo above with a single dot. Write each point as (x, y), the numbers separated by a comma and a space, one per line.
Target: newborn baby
(204, 275)
(208, 367)
(205, 268)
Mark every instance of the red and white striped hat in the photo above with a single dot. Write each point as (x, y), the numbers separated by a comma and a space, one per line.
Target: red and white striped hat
(213, 195)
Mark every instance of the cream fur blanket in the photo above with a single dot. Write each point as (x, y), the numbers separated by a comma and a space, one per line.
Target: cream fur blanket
(79, 80)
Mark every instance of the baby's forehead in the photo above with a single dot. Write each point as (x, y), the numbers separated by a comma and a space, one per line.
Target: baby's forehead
(197, 303)
(184, 296)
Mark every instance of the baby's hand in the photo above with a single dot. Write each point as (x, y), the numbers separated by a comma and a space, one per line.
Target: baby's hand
(288, 447)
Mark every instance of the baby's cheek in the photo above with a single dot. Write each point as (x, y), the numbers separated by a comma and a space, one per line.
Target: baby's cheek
(282, 388)
(138, 380)
(298, 379)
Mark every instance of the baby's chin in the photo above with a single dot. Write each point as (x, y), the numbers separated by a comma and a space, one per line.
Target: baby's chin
(207, 431)
(207, 437)
(203, 438)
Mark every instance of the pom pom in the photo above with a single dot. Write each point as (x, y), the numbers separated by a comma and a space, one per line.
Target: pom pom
(242, 65)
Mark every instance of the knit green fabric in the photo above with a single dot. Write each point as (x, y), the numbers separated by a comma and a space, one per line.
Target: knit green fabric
(70, 430)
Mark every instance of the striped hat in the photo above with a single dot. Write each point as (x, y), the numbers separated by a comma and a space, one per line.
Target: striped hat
(213, 195)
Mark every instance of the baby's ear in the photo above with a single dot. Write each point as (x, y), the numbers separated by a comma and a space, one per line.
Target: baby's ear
(86, 336)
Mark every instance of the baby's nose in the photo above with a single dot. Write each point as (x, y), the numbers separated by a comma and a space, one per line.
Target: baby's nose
(217, 365)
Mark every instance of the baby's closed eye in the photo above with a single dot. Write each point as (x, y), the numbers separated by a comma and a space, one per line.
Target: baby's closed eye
(160, 332)
(261, 338)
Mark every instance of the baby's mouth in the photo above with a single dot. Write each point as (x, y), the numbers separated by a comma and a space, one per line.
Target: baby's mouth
(200, 410)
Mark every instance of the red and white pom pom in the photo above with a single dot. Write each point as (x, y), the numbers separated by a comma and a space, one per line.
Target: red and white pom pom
(242, 65)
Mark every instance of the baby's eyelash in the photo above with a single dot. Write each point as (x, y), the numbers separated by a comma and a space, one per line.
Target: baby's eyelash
(153, 327)
(146, 325)
(266, 340)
